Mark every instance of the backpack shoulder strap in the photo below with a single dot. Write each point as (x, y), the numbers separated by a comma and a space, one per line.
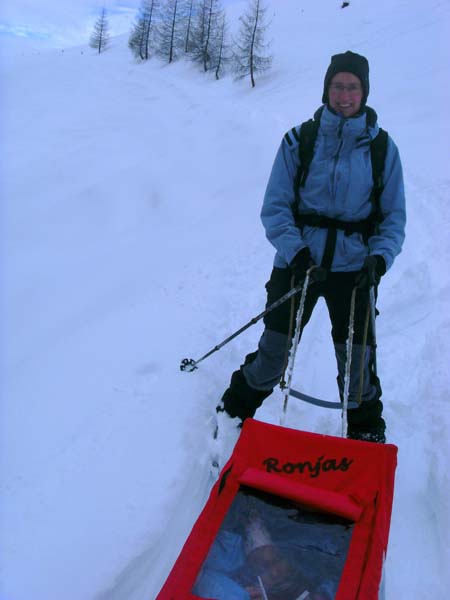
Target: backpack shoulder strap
(308, 135)
(378, 150)
(306, 143)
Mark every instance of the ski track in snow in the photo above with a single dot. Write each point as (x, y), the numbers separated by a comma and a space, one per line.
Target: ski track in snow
(131, 240)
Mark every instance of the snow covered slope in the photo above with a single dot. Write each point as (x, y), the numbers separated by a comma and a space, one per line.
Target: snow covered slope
(130, 238)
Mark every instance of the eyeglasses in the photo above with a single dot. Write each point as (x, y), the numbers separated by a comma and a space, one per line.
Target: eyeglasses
(352, 88)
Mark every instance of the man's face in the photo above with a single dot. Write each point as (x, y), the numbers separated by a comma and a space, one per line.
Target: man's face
(345, 94)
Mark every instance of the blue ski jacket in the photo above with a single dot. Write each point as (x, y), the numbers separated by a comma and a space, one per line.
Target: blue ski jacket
(339, 186)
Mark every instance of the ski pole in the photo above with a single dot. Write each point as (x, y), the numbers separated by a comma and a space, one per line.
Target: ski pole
(189, 364)
(363, 353)
(298, 327)
(348, 363)
(374, 336)
(370, 315)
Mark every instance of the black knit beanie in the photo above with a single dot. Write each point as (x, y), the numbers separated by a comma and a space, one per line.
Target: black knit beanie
(348, 62)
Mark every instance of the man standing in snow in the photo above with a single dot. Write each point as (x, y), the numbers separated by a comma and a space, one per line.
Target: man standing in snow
(330, 219)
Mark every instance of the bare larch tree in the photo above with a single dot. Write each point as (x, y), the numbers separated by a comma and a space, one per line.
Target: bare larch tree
(100, 36)
(189, 18)
(143, 33)
(171, 27)
(207, 34)
(250, 54)
(222, 55)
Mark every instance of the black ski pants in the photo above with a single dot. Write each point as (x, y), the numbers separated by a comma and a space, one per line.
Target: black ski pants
(337, 292)
(264, 369)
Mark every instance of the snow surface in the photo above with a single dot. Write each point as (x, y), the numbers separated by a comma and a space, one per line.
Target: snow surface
(130, 239)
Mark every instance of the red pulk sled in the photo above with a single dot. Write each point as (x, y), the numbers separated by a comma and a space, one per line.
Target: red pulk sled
(293, 516)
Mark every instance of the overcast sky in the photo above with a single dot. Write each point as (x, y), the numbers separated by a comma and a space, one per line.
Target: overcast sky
(63, 22)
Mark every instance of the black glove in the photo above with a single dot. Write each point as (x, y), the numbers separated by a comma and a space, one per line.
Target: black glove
(301, 262)
(374, 268)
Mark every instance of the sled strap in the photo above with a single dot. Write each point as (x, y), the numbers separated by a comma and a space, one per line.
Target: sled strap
(319, 402)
